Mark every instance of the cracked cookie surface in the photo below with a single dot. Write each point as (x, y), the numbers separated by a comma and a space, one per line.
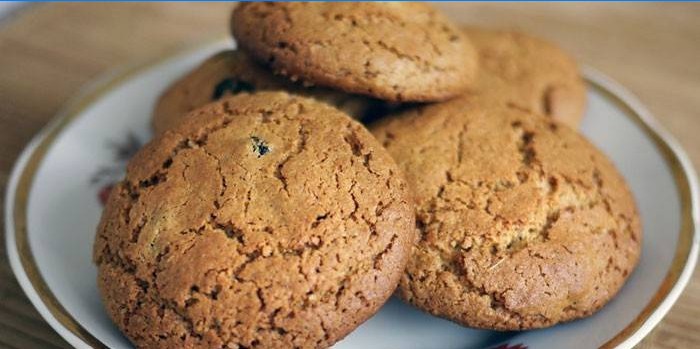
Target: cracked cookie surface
(523, 223)
(231, 72)
(265, 220)
(392, 51)
(528, 72)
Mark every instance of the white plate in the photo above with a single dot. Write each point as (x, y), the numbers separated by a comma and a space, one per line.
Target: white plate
(52, 209)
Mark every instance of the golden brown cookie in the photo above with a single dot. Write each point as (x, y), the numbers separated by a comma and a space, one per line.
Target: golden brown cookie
(265, 220)
(530, 73)
(392, 51)
(523, 223)
(231, 72)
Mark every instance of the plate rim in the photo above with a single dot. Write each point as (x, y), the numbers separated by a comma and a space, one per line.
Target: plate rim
(34, 286)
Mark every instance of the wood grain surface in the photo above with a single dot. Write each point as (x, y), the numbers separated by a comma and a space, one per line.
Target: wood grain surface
(48, 52)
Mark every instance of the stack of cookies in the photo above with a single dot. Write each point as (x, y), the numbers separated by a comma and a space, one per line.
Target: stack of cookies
(264, 214)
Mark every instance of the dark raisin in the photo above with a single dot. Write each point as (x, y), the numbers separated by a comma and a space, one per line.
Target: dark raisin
(259, 146)
(232, 86)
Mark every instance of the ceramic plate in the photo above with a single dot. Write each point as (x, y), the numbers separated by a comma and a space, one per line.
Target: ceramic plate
(54, 201)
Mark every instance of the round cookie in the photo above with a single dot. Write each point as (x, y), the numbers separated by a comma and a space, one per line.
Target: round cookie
(230, 72)
(523, 223)
(264, 220)
(393, 51)
(529, 73)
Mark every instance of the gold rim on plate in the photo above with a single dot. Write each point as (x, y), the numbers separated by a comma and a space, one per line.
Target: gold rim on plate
(681, 173)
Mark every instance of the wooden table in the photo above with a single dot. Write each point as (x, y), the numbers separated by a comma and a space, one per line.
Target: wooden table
(48, 52)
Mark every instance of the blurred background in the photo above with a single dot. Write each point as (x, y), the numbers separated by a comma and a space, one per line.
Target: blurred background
(48, 52)
(7, 8)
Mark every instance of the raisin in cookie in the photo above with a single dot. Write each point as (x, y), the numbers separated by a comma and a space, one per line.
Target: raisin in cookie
(529, 73)
(231, 72)
(264, 220)
(523, 223)
(392, 51)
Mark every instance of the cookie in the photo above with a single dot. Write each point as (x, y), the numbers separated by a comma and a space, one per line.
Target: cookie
(393, 51)
(523, 223)
(231, 72)
(530, 73)
(266, 220)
